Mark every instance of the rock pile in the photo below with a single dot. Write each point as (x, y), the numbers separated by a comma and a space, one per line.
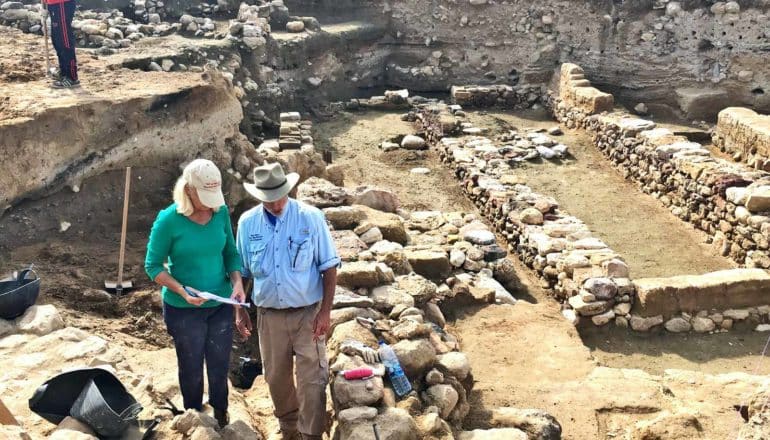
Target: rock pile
(504, 96)
(252, 26)
(400, 271)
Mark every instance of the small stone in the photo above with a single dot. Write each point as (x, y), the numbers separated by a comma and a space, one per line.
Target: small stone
(702, 325)
(642, 324)
(445, 397)
(64, 226)
(571, 316)
(531, 216)
(678, 325)
(412, 142)
(434, 377)
(295, 26)
(602, 288)
(641, 109)
(456, 257)
(420, 170)
(456, 363)
(763, 328)
(166, 65)
(603, 318)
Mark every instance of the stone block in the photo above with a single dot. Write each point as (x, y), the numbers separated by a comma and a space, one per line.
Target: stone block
(700, 103)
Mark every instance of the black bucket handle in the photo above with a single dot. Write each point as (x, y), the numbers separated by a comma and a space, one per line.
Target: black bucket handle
(131, 412)
(23, 274)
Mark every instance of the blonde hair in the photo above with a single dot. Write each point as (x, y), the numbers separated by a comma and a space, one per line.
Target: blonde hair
(184, 204)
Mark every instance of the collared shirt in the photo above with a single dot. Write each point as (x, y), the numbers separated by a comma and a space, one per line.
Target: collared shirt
(286, 260)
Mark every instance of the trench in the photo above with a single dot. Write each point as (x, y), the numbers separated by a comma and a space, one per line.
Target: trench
(528, 355)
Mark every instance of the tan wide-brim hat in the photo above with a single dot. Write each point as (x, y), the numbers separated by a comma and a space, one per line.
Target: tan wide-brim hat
(270, 183)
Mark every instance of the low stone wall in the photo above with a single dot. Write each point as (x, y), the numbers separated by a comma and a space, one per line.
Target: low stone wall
(504, 96)
(705, 302)
(745, 134)
(588, 275)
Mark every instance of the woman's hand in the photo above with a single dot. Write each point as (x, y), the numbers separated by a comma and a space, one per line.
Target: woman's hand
(243, 323)
(194, 300)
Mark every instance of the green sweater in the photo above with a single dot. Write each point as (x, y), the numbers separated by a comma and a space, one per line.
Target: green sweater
(199, 256)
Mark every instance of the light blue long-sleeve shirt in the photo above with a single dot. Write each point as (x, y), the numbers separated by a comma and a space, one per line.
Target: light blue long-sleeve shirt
(286, 260)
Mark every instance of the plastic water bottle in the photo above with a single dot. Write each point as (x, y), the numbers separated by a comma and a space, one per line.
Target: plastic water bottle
(398, 379)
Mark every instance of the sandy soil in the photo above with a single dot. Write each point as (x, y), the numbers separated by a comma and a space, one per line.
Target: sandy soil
(355, 139)
(653, 242)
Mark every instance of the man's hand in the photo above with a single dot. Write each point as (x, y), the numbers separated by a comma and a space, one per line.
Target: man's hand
(321, 324)
(238, 293)
(243, 323)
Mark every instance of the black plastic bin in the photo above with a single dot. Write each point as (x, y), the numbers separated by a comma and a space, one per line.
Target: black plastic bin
(106, 406)
(16, 296)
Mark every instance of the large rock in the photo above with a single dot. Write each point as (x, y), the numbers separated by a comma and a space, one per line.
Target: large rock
(456, 364)
(391, 225)
(239, 430)
(321, 193)
(643, 324)
(416, 356)
(360, 274)
(344, 217)
(350, 331)
(375, 198)
(425, 221)
(387, 297)
(421, 289)
(392, 423)
(701, 103)
(432, 264)
(678, 325)
(410, 329)
(40, 320)
(352, 393)
(493, 434)
(538, 424)
(348, 245)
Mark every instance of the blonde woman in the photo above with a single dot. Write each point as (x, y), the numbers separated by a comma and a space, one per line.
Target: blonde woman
(193, 238)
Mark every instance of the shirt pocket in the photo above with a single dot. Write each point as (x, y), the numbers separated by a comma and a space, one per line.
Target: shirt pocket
(257, 256)
(301, 254)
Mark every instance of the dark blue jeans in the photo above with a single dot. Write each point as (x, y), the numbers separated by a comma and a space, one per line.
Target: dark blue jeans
(200, 334)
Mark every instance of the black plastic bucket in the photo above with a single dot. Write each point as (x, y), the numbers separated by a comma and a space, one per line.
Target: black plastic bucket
(106, 406)
(16, 296)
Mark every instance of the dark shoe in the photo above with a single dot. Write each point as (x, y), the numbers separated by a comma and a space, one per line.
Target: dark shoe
(66, 83)
(222, 418)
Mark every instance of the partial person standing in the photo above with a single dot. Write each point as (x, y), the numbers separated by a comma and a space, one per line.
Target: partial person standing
(63, 39)
(193, 237)
(287, 249)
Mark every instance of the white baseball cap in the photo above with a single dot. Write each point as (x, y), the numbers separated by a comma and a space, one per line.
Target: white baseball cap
(205, 177)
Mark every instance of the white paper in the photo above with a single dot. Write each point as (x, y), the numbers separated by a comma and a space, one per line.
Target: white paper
(211, 297)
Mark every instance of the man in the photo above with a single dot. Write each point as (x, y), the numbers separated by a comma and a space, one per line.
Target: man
(288, 250)
(63, 38)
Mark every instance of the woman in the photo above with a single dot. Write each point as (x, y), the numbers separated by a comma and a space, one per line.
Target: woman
(194, 238)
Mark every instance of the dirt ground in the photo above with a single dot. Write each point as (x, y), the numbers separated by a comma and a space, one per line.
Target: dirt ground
(650, 239)
(354, 140)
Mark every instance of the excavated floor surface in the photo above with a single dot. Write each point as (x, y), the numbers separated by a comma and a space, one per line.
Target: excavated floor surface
(653, 242)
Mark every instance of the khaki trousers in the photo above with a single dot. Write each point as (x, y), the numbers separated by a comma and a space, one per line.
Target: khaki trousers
(286, 344)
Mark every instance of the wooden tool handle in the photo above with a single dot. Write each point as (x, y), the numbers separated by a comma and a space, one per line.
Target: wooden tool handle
(124, 227)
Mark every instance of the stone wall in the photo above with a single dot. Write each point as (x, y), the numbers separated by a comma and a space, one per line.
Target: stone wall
(591, 279)
(744, 134)
(496, 96)
(576, 91)
(728, 201)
